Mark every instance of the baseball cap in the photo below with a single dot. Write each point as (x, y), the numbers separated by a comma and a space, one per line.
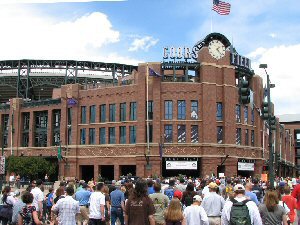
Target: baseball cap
(238, 187)
(197, 198)
(212, 185)
(177, 194)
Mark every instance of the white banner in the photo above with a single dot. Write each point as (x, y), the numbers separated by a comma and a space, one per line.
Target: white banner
(246, 166)
(181, 165)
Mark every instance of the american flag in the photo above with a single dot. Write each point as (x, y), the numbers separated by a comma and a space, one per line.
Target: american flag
(222, 8)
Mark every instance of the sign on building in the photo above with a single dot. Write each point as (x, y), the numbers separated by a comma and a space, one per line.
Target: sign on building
(243, 166)
(181, 165)
(2, 165)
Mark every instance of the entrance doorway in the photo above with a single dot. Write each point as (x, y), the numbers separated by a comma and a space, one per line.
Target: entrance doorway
(128, 169)
(220, 169)
(107, 172)
(87, 172)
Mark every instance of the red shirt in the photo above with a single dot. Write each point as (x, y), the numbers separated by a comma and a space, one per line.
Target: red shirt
(291, 202)
(296, 195)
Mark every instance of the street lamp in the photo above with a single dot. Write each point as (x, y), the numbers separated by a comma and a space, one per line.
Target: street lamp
(271, 152)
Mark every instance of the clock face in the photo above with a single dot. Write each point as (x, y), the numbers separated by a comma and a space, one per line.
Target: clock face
(216, 49)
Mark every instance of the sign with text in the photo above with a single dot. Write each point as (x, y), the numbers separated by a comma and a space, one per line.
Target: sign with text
(2, 165)
(181, 165)
(245, 166)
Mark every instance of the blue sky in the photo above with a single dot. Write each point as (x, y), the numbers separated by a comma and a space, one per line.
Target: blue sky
(135, 31)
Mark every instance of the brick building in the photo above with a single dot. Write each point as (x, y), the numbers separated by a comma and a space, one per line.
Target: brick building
(196, 125)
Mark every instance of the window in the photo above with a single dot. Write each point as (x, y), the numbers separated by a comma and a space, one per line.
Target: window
(92, 114)
(245, 114)
(56, 118)
(219, 134)
(40, 139)
(41, 123)
(56, 138)
(132, 134)
(150, 133)
(194, 110)
(25, 141)
(41, 119)
(123, 135)
(168, 134)
(238, 138)
(123, 111)
(92, 134)
(246, 137)
(26, 120)
(102, 135)
(69, 135)
(168, 110)
(181, 134)
(83, 114)
(181, 110)
(69, 116)
(252, 116)
(132, 110)
(112, 112)
(83, 136)
(102, 113)
(252, 137)
(238, 113)
(194, 134)
(219, 115)
(5, 122)
(150, 110)
(112, 135)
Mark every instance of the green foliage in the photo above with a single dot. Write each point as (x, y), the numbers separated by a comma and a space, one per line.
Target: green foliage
(33, 167)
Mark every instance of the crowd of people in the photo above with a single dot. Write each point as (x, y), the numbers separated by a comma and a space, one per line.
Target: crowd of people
(173, 201)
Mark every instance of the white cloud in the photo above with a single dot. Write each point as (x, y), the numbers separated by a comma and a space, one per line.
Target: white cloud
(143, 43)
(52, 1)
(283, 67)
(273, 35)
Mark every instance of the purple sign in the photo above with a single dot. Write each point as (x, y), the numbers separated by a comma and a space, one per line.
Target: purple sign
(71, 101)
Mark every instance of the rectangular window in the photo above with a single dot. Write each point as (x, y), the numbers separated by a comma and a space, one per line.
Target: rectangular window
(168, 134)
(56, 138)
(246, 137)
(41, 119)
(132, 111)
(122, 135)
(238, 113)
(69, 135)
(102, 113)
(92, 114)
(112, 135)
(83, 136)
(238, 136)
(112, 112)
(219, 114)
(168, 110)
(194, 110)
(102, 135)
(150, 110)
(123, 111)
(5, 122)
(181, 134)
(194, 134)
(69, 116)
(41, 139)
(252, 116)
(245, 114)
(220, 134)
(56, 118)
(132, 134)
(25, 141)
(252, 137)
(26, 120)
(83, 114)
(181, 109)
(92, 135)
(150, 133)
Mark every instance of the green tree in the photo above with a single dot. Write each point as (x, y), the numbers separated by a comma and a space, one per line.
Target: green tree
(32, 167)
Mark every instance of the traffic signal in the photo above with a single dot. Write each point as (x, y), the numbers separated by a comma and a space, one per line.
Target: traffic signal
(59, 156)
(244, 92)
(273, 123)
(265, 110)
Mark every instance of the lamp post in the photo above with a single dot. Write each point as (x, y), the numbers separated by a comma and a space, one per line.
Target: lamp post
(271, 152)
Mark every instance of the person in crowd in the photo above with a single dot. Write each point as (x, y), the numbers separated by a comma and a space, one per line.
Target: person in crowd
(195, 213)
(112, 187)
(205, 189)
(213, 205)
(18, 181)
(271, 212)
(83, 197)
(252, 196)
(117, 205)
(169, 191)
(97, 203)
(46, 177)
(257, 189)
(150, 186)
(161, 202)
(181, 186)
(229, 189)
(105, 191)
(139, 208)
(129, 189)
(296, 195)
(188, 194)
(60, 193)
(67, 208)
(7, 208)
(174, 214)
(178, 194)
(38, 197)
(17, 209)
(28, 214)
(240, 208)
(49, 202)
(291, 202)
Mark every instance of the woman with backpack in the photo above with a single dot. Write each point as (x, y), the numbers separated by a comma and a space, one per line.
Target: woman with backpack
(174, 214)
(7, 209)
(271, 212)
(188, 194)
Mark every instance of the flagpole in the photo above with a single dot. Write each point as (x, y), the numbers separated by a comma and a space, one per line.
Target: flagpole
(147, 107)
(211, 20)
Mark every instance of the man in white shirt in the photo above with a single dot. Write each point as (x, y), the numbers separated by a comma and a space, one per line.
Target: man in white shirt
(97, 202)
(195, 214)
(38, 197)
(239, 190)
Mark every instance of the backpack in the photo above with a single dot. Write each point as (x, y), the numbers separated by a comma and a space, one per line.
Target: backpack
(239, 214)
(188, 200)
(170, 193)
